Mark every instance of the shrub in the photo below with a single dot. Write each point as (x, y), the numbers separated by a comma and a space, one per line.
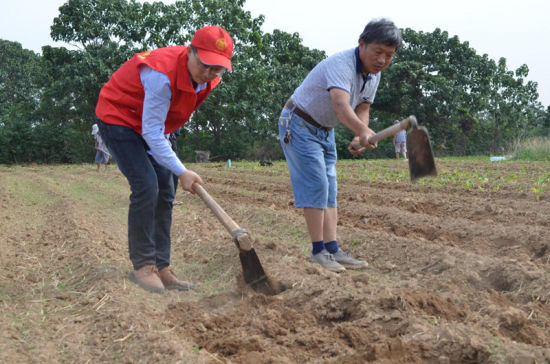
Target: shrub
(533, 149)
(269, 149)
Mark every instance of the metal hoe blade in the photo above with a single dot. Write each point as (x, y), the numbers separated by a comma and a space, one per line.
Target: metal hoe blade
(253, 271)
(421, 156)
(254, 274)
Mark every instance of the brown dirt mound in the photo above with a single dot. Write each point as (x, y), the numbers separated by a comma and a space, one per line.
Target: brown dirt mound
(457, 273)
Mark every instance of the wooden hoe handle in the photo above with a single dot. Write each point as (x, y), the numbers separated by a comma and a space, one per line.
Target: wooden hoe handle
(392, 130)
(216, 209)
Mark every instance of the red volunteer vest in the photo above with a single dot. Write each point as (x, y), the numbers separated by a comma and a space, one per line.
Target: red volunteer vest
(121, 98)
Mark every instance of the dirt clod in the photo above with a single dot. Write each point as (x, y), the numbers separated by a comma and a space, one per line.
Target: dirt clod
(455, 274)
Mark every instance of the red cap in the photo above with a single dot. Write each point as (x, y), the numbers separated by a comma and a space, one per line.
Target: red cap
(214, 45)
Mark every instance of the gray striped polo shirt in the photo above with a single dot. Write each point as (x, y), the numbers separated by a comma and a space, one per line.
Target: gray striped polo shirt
(342, 70)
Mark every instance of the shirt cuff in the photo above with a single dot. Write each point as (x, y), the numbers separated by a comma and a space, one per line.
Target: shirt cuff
(179, 169)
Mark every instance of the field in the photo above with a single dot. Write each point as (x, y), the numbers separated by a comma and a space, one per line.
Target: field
(459, 269)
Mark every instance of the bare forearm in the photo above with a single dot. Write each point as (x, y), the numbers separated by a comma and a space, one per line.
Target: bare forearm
(349, 118)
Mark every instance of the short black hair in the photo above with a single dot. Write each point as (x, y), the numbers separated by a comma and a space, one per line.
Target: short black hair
(382, 31)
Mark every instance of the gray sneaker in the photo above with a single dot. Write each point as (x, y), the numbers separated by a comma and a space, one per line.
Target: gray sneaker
(326, 260)
(346, 259)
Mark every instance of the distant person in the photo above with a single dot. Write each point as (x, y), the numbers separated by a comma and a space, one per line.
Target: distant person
(147, 98)
(400, 142)
(340, 89)
(102, 152)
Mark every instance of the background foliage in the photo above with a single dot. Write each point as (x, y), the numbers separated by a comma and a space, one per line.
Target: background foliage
(470, 104)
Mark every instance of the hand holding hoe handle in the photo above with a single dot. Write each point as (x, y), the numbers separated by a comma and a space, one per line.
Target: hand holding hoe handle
(391, 131)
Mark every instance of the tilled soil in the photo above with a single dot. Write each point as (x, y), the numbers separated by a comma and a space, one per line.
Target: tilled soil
(459, 271)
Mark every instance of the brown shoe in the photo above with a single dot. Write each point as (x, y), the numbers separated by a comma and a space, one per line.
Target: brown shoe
(170, 281)
(147, 277)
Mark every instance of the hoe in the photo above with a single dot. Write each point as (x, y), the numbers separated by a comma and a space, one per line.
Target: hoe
(253, 272)
(419, 148)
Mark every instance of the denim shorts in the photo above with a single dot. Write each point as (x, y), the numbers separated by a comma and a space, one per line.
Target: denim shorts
(311, 158)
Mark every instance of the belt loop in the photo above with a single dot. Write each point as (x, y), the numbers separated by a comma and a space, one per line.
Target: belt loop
(290, 105)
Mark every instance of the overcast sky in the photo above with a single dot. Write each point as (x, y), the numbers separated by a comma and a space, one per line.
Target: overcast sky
(516, 30)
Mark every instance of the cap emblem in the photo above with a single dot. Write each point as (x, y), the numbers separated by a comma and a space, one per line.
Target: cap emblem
(220, 44)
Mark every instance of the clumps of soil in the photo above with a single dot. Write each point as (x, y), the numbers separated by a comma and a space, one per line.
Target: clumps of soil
(455, 274)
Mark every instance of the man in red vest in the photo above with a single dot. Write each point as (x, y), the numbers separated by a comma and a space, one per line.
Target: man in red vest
(147, 98)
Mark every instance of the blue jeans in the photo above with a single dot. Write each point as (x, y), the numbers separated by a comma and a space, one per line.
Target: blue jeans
(151, 198)
(311, 159)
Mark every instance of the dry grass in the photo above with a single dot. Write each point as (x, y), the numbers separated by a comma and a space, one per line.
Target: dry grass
(533, 149)
(446, 257)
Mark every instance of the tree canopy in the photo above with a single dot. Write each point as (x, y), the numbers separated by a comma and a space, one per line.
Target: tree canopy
(470, 104)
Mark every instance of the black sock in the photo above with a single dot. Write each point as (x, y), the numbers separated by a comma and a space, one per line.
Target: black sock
(332, 246)
(318, 246)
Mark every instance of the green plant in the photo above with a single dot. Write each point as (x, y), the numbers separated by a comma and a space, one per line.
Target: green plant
(496, 350)
(534, 149)
(539, 186)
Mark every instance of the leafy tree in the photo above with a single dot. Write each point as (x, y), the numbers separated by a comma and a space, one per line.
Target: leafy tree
(469, 103)
(240, 114)
(244, 112)
(545, 121)
(19, 95)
